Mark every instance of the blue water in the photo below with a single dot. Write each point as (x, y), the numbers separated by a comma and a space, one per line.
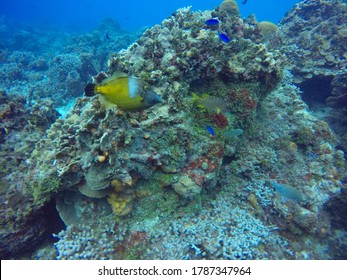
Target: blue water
(87, 14)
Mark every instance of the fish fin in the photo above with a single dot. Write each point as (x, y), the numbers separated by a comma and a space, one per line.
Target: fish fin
(114, 78)
(199, 99)
(204, 96)
(89, 90)
(118, 74)
(105, 102)
(195, 97)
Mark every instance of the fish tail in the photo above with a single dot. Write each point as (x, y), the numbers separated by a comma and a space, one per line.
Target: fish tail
(195, 97)
(89, 90)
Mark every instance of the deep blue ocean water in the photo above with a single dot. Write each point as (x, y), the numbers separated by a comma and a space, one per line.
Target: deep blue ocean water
(78, 15)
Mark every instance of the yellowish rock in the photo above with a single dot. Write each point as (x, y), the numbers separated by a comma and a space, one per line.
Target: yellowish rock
(186, 187)
(121, 206)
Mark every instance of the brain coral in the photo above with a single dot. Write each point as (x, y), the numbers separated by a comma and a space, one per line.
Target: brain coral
(267, 28)
(229, 7)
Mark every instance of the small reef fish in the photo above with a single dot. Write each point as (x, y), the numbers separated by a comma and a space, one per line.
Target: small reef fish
(212, 22)
(233, 133)
(210, 130)
(288, 192)
(224, 38)
(213, 104)
(244, 2)
(127, 92)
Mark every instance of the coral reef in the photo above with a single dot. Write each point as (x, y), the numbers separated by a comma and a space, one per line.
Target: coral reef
(19, 121)
(267, 29)
(222, 232)
(316, 31)
(156, 184)
(21, 127)
(53, 64)
(78, 145)
(218, 232)
(202, 165)
(173, 52)
(271, 35)
(229, 8)
(315, 45)
(310, 168)
(85, 242)
(105, 153)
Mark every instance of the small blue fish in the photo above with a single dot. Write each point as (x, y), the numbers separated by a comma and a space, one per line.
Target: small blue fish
(210, 130)
(224, 38)
(212, 22)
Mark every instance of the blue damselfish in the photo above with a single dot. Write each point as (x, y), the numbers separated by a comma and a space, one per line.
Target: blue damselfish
(210, 130)
(224, 38)
(212, 22)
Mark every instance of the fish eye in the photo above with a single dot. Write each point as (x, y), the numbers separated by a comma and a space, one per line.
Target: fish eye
(145, 87)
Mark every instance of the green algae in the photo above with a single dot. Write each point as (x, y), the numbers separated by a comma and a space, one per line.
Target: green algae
(44, 188)
(160, 199)
(174, 151)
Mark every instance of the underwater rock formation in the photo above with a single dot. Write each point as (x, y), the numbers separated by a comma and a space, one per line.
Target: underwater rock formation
(316, 39)
(23, 224)
(202, 170)
(94, 145)
(180, 50)
(316, 48)
(243, 197)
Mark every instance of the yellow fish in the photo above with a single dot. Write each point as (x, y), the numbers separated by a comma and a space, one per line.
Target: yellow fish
(127, 92)
(212, 104)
